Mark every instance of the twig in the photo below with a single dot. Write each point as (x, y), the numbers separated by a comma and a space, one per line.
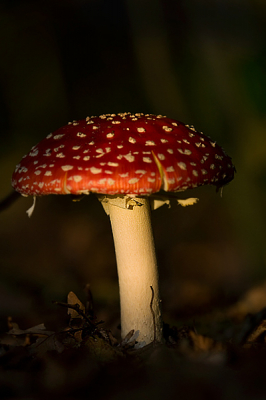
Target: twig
(76, 307)
(9, 200)
(153, 315)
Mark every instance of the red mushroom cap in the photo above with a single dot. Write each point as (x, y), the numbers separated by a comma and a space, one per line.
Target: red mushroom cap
(122, 154)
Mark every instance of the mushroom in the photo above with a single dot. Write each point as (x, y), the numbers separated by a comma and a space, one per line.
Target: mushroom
(126, 159)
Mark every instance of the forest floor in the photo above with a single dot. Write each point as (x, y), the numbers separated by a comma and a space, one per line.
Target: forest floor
(225, 359)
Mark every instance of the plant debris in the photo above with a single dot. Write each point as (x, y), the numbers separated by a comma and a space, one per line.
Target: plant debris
(83, 356)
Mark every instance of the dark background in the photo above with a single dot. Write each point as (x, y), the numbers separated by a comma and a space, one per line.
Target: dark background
(199, 61)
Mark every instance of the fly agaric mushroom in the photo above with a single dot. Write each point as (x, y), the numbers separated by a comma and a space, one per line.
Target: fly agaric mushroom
(125, 159)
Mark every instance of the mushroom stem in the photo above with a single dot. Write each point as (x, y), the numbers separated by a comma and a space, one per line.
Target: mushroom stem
(137, 270)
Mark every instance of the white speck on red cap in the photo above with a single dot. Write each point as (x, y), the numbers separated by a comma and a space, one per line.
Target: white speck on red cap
(144, 154)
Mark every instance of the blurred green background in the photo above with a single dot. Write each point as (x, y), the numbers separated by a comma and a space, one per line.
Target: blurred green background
(202, 62)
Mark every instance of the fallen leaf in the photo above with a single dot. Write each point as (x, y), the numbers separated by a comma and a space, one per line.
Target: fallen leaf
(72, 299)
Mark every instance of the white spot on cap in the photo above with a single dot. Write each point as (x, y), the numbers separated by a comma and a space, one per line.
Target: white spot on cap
(75, 147)
(164, 140)
(110, 181)
(17, 167)
(186, 141)
(60, 155)
(76, 157)
(34, 153)
(133, 180)
(48, 136)
(147, 160)
(170, 169)
(161, 157)
(110, 135)
(37, 172)
(80, 134)
(171, 151)
(47, 153)
(112, 164)
(86, 158)
(204, 172)
(195, 173)
(56, 137)
(129, 157)
(150, 143)
(100, 155)
(23, 169)
(167, 128)
(182, 165)
(141, 171)
(171, 181)
(95, 170)
(48, 173)
(132, 140)
(67, 167)
(77, 178)
(141, 130)
(186, 151)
